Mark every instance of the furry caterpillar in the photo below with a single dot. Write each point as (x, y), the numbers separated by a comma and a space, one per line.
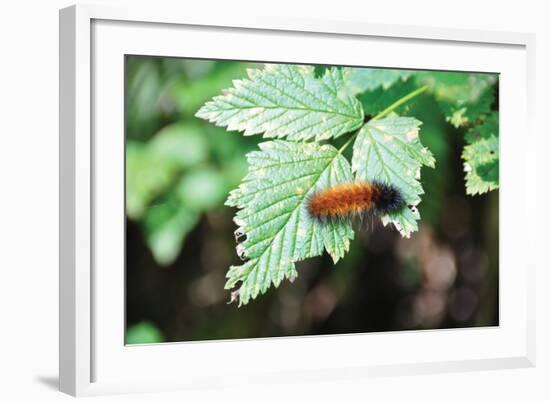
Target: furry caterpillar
(355, 199)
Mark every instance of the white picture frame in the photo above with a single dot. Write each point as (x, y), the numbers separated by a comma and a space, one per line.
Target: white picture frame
(93, 358)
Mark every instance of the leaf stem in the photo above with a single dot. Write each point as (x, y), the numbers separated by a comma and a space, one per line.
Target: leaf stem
(399, 102)
(386, 111)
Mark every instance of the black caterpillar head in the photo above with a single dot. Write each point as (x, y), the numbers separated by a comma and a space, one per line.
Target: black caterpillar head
(389, 198)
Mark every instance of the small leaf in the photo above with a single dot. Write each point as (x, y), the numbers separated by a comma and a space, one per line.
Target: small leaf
(375, 101)
(359, 80)
(287, 101)
(153, 166)
(273, 201)
(202, 189)
(183, 144)
(488, 127)
(459, 115)
(462, 97)
(389, 150)
(405, 221)
(166, 224)
(190, 94)
(481, 164)
(481, 155)
(143, 333)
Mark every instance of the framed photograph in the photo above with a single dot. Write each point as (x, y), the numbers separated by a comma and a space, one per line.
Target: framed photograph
(290, 200)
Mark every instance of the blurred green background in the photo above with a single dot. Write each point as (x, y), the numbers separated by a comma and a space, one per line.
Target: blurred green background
(180, 242)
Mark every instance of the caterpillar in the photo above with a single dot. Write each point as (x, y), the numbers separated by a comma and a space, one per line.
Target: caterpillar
(355, 199)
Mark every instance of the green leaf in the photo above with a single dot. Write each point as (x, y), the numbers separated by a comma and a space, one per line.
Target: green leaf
(481, 155)
(146, 177)
(153, 166)
(389, 150)
(488, 127)
(143, 90)
(143, 333)
(166, 224)
(202, 189)
(359, 80)
(377, 100)
(183, 144)
(435, 137)
(190, 94)
(481, 164)
(287, 101)
(273, 201)
(462, 97)
(460, 116)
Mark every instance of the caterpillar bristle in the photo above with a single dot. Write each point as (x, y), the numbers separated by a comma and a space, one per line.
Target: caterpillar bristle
(357, 200)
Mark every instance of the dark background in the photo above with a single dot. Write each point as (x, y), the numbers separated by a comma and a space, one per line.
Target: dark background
(180, 239)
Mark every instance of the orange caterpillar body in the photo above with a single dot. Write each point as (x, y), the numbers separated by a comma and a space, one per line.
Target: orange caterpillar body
(355, 199)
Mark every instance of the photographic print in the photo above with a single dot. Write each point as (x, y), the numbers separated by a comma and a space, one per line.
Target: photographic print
(269, 199)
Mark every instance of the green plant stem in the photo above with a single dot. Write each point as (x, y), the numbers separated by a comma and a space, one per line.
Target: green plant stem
(399, 102)
(386, 111)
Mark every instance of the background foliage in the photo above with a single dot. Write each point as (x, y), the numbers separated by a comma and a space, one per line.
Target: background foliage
(180, 170)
